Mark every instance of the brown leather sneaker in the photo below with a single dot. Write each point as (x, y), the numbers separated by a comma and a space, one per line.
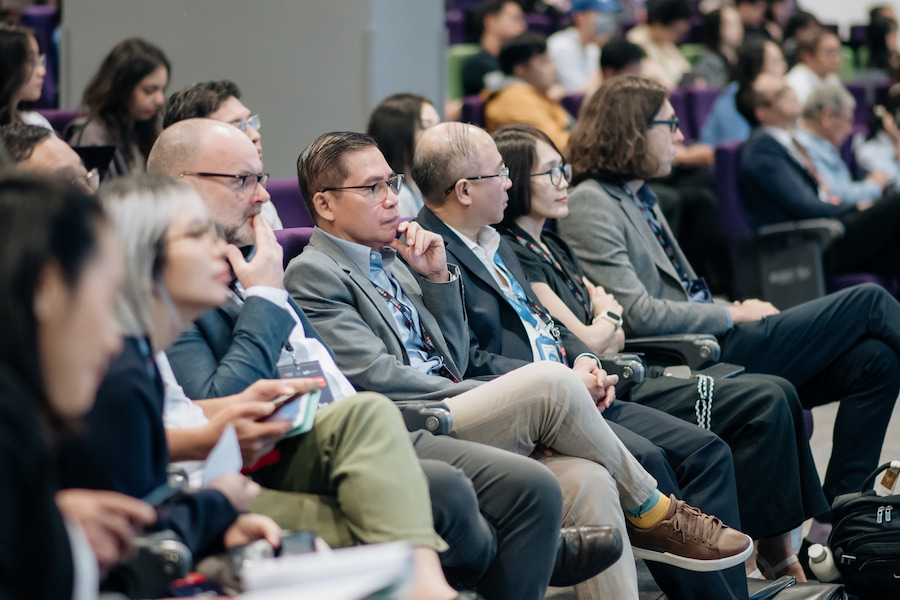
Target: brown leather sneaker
(690, 539)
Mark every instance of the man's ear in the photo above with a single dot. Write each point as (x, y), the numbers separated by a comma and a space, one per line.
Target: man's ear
(322, 205)
(463, 192)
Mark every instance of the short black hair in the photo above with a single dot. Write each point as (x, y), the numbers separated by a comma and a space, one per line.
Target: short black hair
(747, 100)
(490, 8)
(799, 20)
(618, 53)
(199, 100)
(520, 49)
(666, 12)
(20, 139)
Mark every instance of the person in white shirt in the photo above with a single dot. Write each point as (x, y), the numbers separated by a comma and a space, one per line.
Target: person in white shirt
(576, 50)
(819, 55)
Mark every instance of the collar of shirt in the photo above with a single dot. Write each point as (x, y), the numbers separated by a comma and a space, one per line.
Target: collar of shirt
(363, 256)
(484, 250)
(822, 152)
(785, 137)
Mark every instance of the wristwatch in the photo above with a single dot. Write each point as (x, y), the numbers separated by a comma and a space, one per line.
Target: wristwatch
(611, 317)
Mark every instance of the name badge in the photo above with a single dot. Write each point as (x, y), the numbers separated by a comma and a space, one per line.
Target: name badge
(309, 370)
(548, 349)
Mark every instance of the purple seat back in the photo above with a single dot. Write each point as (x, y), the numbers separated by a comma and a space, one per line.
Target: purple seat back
(573, 102)
(455, 21)
(286, 197)
(700, 102)
(473, 111)
(539, 24)
(293, 240)
(695, 33)
(881, 92)
(858, 34)
(847, 152)
(59, 118)
(732, 214)
(679, 101)
(43, 19)
(832, 27)
(858, 89)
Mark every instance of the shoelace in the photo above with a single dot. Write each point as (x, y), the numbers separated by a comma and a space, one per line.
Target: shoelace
(698, 526)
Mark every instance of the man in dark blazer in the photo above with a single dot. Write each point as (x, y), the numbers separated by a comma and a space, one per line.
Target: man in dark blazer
(352, 284)
(499, 512)
(779, 182)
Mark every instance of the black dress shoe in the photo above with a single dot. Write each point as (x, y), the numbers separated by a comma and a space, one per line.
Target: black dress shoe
(584, 552)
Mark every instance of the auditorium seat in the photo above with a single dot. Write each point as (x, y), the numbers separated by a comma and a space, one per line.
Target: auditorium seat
(293, 240)
(572, 103)
(289, 203)
(59, 118)
(473, 111)
(699, 103)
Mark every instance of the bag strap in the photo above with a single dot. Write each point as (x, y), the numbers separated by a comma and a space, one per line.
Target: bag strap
(870, 480)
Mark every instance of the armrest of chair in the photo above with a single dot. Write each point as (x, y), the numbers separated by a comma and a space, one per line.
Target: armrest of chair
(430, 416)
(695, 350)
(629, 367)
(823, 231)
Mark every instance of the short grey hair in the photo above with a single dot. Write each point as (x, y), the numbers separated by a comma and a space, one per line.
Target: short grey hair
(141, 208)
(832, 96)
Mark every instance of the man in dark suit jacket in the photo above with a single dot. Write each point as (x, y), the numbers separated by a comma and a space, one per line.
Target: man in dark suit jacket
(497, 510)
(779, 183)
(343, 280)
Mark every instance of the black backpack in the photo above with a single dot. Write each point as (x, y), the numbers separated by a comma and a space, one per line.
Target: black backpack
(865, 540)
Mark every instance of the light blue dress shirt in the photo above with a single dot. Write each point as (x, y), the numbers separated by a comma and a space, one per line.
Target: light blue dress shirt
(826, 158)
(724, 123)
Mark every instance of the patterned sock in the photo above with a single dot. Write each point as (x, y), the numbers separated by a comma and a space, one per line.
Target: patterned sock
(650, 513)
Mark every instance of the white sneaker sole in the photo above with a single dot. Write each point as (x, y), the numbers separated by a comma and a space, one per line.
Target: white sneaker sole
(694, 564)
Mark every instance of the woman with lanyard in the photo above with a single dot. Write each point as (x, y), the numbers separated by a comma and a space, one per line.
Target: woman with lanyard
(539, 192)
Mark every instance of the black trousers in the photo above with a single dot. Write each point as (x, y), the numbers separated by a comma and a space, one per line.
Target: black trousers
(871, 240)
(840, 348)
(696, 466)
(761, 420)
(499, 512)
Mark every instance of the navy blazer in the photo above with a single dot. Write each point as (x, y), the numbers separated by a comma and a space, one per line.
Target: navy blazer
(230, 347)
(776, 188)
(499, 342)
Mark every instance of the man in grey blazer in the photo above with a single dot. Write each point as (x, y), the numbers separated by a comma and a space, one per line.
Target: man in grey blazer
(391, 321)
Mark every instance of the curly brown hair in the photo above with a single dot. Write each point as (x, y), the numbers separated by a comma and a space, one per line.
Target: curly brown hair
(609, 139)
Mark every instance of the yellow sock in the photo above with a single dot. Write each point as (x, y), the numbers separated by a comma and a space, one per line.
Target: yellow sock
(652, 516)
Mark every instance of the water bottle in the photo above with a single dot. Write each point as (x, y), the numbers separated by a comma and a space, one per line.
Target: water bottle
(821, 562)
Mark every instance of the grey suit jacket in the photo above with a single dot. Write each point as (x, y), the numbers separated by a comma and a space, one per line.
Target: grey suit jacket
(356, 323)
(618, 251)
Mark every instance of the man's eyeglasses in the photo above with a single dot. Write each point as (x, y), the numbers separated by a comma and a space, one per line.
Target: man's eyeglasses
(376, 190)
(248, 180)
(503, 175)
(672, 123)
(253, 122)
(557, 173)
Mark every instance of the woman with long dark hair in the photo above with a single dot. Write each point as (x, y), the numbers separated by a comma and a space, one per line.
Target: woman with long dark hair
(60, 274)
(723, 34)
(123, 102)
(22, 71)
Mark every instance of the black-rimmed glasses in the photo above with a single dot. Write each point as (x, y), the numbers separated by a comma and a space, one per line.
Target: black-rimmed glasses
(557, 173)
(672, 123)
(253, 122)
(376, 190)
(503, 175)
(253, 179)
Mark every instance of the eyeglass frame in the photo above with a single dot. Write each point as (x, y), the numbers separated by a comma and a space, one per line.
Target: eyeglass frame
(672, 123)
(503, 174)
(398, 177)
(253, 121)
(564, 170)
(262, 179)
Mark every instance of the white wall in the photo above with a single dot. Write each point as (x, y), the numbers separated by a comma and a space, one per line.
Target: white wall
(844, 12)
(306, 66)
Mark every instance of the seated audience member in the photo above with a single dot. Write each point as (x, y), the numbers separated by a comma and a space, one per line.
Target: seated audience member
(882, 43)
(528, 93)
(499, 20)
(819, 61)
(620, 57)
(778, 12)
(540, 181)
(843, 347)
(879, 153)
(220, 101)
(723, 35)
(417, 332)
(397, 124)
(171, 245)
(123, 101)
(781, 183)
(799, 25)
(576, 50)
(753, 18)
(59, 283)
(22, 71)
(827, 121)
(260, 333)
(724, 123)
(36, 149)
(667, 22)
